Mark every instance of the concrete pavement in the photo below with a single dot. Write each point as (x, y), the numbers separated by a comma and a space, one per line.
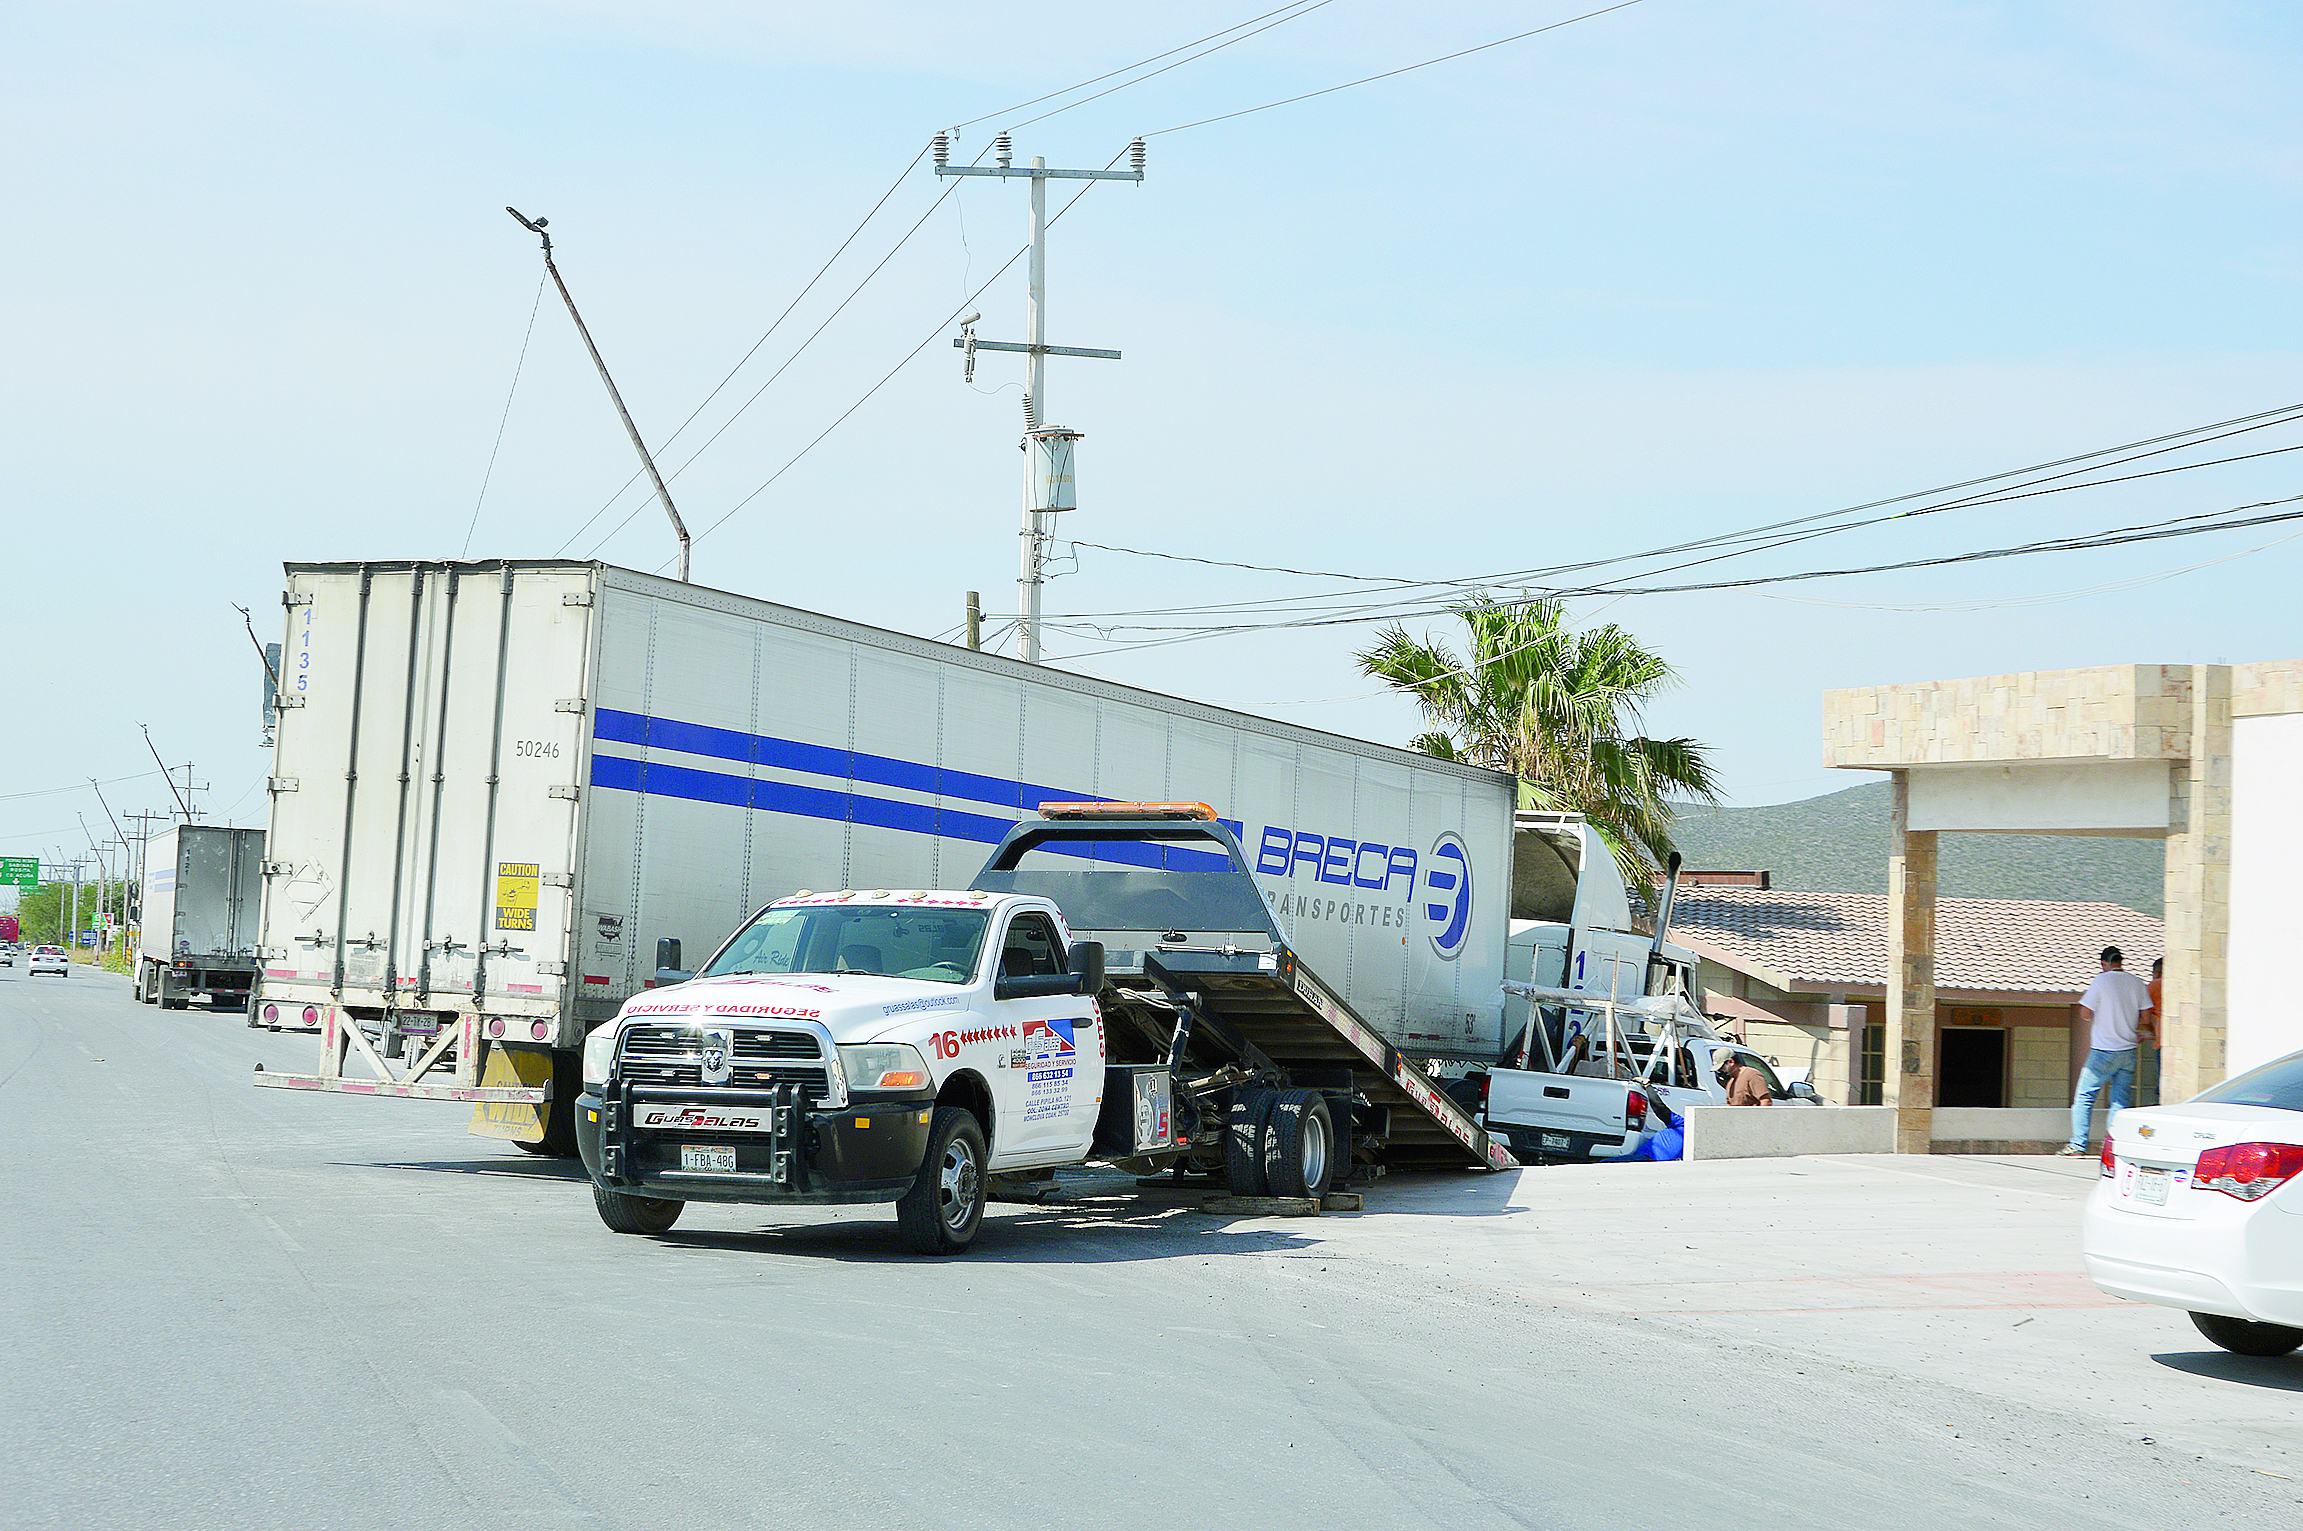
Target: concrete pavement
(233, 1307)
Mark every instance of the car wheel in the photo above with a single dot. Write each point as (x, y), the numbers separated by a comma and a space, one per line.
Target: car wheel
(2244, 1338)
(1299, 1145)
(942, 1211)
(635, 1214)
(1243, 1144)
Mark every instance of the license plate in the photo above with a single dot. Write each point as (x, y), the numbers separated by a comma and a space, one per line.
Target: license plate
(2151, 1187)
(423, 1028)
(1554, 1139)
(712, 1158)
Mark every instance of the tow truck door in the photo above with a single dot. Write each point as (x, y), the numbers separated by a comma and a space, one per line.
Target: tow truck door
(1049, 1089)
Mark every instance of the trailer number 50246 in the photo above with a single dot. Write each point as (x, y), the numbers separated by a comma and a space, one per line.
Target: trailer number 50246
(540, 749)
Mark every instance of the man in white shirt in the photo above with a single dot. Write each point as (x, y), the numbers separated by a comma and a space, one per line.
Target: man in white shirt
(2112, 1010)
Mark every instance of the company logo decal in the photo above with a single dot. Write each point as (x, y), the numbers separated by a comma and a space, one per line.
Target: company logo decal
(1448, 880)
(718, 1053)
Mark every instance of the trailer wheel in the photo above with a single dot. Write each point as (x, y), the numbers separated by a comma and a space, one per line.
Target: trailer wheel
(1243, 1144)
(1299, 1145)
(169, 999)
(635, 1214)
(940, 1214)
(146, 973)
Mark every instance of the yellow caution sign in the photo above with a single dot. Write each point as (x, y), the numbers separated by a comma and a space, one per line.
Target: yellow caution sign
(516, 895)
(506, 1067)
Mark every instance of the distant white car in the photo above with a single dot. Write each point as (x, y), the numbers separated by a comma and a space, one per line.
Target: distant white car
(49, 959)
(2201, 1208)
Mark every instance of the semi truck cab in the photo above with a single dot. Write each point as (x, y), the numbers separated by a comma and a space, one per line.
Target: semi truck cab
(838, 1043)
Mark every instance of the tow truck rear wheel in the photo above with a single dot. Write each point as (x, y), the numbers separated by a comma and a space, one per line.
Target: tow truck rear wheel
(635, 1214)
(940, 1214)
(1299, 1145)
(1243, 1143)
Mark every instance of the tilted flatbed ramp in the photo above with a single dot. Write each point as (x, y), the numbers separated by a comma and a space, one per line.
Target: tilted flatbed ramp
(1185, 928)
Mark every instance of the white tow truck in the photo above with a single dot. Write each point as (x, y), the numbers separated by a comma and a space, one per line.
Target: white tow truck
(933, 1048)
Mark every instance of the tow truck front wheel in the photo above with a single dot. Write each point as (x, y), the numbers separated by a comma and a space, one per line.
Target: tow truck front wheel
(940, 1214)
(635, 1214)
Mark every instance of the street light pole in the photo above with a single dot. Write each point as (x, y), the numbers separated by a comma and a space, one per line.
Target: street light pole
(535, 226)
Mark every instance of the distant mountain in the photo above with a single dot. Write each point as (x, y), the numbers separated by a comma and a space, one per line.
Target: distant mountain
(1838, 844)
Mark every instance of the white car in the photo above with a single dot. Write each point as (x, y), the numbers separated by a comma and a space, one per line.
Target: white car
(49, 959)
(2201, 1208)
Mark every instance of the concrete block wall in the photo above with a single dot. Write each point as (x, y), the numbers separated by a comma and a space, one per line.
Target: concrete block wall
(1782, 1132)
(2038, 1066)
(2109, 712)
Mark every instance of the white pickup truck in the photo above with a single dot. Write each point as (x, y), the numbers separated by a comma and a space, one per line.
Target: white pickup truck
(1600, 1109)
(933, 1048)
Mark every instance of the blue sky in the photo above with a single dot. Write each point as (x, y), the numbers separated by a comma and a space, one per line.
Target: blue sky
(1669, 272)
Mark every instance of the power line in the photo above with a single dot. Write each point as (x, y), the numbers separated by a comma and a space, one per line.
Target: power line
(1297, 6)
(1389, 73)
(1179, 63)
(506, 419)
(747, 356)
(942, 325)
(2182, 526)
(1761, 538)
(79, 786)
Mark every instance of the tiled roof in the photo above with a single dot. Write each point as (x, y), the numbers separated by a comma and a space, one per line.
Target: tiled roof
(1828, 939)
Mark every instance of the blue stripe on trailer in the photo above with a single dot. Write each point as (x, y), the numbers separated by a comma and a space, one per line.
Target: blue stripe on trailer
(659, 779)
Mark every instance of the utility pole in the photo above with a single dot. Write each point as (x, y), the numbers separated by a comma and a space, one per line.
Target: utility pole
(536, 226)
(166, 771)
(975, 620)
(1048, 482)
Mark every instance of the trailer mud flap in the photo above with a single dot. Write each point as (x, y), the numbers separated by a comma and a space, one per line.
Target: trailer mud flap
(516, 1120)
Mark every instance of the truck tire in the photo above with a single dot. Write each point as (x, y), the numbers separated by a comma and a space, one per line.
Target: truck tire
(940, 1214)
(634, 1214)
(1243, 1144)
(169, 999)
(2243, 1338)
(1299, 1145)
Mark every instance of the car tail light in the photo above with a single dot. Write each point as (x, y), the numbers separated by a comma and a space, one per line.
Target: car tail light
(311, 1015)
(271, 1012)
(540, 1030)
(2110, 1165)
(1634, 1109)
(2248, 1171)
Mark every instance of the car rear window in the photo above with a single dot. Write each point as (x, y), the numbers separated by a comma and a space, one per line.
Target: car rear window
(2278, 1084)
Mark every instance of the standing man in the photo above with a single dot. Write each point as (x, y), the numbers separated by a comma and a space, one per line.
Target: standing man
(2112, 1010)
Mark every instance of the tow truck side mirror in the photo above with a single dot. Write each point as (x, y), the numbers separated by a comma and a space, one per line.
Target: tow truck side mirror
(668, 969)
(1088, 966)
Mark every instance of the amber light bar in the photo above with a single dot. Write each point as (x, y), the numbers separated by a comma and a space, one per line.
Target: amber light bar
(1127, 811)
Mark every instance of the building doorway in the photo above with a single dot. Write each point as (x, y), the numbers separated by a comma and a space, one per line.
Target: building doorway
(1971, 1066)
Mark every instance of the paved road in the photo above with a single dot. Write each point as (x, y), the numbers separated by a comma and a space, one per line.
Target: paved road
(238, 1308)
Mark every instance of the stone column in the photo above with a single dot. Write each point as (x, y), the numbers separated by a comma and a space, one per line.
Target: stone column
(2198, 894)
(1909, 1067)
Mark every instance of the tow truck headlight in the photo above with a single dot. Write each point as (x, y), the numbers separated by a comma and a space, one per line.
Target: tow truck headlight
(884, 1066)
(599, 1054)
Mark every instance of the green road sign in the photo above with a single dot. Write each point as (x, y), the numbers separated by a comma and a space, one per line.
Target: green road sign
(22, 871)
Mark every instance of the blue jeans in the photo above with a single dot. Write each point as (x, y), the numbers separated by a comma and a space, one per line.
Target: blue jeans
(2103, 1068)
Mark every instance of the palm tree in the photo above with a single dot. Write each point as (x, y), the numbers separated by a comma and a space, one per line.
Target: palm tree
(1559, 709)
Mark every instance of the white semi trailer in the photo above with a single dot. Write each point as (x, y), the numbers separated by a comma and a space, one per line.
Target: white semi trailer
(203, 889)
(506, 795)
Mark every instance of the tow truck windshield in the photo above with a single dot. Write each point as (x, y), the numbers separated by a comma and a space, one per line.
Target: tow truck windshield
(931, 945)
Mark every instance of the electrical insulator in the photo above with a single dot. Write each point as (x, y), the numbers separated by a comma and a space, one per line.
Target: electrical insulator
(1003, 150)
(1135, 156)
(943, 150)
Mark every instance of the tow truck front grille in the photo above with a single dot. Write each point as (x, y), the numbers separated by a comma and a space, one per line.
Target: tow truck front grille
(673, 1055)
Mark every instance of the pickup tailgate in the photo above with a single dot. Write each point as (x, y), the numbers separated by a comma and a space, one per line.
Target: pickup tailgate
(1559, 1113)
